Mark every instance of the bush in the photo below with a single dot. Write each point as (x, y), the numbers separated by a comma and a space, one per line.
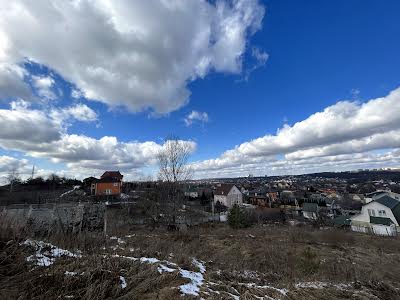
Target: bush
(309, 262)
(238, 218)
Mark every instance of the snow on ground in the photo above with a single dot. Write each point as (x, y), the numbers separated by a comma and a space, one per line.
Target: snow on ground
(124, 196)
(196, 278)
(268, 287)
(47, 253)
(75, 187)
(68, 273)
(121, 241)
(163, 268)
(322, 285)
(193, 287)
(123, 282)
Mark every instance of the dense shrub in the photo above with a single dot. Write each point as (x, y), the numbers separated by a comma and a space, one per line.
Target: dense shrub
(239, 218)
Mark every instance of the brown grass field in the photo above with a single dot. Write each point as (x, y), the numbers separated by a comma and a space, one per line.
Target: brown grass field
(262, 262)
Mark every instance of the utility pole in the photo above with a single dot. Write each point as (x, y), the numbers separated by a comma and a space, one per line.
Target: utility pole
(33, 171)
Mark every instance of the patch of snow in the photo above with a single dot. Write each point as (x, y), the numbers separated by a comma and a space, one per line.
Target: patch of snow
(163, 268)
(124, 196)
(130, 235)
(196, 280)
(253, 285)
(149, 260)
(199, 264)
(121, 241)
(76, 187)
(40, 260)
(46, 253)
(122, 282)
(67, 273)
(117, 247)
(113, 238)
(322, 285)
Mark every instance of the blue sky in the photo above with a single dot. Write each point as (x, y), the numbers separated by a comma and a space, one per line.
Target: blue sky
(319, 53)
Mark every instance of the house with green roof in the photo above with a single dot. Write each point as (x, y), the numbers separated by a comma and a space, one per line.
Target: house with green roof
(380, 216)
(310, 210)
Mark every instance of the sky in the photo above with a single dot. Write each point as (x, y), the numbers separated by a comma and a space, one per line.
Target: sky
(253, 87)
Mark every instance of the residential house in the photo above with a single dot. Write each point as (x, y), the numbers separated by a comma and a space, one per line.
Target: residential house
(380, 216)
(259, 197)
(380, 193)
(228, 195)
(191, 192)
(109, 184)
(310, 210)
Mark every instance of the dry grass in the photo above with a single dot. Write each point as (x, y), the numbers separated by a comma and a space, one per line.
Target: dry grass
(277, 256)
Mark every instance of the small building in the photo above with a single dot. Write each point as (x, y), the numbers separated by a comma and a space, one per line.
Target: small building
(310, 210)
(109, 184)
(380, 216)
(228, 195)
(191, 192)
(258, 197)
(380, 193)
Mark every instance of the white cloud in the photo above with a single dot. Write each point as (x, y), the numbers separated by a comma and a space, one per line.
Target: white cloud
(76, 94)
(131, 53)
(260, 58)
(38, 134)
(12, 83)
(21, 124)
(80, 112)
(344, 128)
(194, 116)
(43, 85)
(26, 129)
(13, 165)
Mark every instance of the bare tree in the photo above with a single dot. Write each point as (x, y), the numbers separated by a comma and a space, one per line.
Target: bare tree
(13, 178)
(173, 170)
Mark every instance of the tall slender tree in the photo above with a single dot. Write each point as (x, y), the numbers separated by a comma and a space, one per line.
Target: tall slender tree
(173, 170)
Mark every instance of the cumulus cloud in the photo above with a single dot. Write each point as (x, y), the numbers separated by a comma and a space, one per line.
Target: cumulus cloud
(24, 128)
(43, 85)
(131, 53)
(41, 135)
(13, 165)
(80, 112)
(21, 124)
(196, 116)
(344, 128)
(12, 83)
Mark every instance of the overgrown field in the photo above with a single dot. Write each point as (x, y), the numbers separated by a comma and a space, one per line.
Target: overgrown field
(209, 262)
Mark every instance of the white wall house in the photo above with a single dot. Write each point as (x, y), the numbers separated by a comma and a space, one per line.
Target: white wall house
(228, 195)
(380, 216)
(380, 193)
(192, 194)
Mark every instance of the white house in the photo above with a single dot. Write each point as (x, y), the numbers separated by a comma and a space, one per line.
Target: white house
(192, 193)
(380, 216)
(380, 193)
(228, 195)
(310, 211)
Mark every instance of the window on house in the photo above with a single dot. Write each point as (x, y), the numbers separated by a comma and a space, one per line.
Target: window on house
(108, 192)
(115, 183)
(382, 213)
(371, 212)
